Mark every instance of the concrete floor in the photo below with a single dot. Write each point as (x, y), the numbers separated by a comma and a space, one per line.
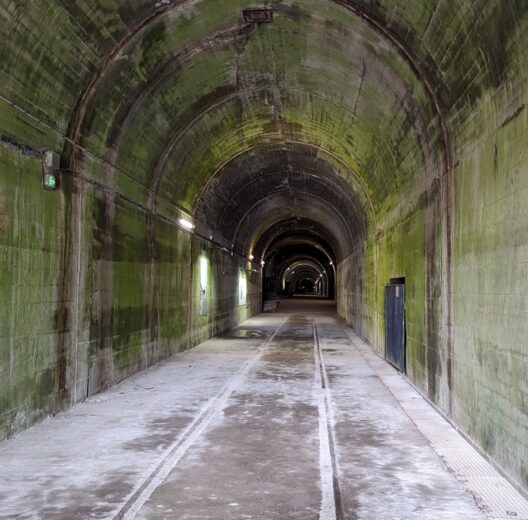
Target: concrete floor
(285, 417)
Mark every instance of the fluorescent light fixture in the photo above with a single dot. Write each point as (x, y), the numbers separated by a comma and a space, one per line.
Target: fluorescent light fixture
(203, 273)
(187, 224)
(242, 288)
(250, 256)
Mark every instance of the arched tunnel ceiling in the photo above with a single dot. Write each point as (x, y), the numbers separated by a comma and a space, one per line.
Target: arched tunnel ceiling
(302, 240)
(172, 92)
(290, 257)
(289, 180)
(196, 89)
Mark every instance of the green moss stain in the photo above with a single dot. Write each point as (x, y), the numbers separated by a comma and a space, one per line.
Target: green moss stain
(29, 231)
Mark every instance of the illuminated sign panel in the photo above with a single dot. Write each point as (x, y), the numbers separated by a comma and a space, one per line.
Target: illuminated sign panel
(204, 273)
(242, 288)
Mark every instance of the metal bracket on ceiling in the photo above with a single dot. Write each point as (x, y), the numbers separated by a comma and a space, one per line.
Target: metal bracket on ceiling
(258, 15)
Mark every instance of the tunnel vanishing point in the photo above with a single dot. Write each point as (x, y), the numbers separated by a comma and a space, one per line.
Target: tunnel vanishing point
(168, 169)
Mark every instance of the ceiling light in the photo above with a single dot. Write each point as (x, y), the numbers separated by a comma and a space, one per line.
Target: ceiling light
(187, 224)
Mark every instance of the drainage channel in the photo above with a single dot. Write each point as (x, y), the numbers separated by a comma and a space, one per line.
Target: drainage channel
(331, 503)
(159, 471)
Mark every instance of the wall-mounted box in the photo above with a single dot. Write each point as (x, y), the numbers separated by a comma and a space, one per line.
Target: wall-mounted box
(50, 170)
(258, 15)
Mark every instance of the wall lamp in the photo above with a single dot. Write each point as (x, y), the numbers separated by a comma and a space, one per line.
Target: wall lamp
(251, 257)
(50, 170)
(186, 224)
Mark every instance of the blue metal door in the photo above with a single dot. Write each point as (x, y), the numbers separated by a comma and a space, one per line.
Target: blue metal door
(395, 325)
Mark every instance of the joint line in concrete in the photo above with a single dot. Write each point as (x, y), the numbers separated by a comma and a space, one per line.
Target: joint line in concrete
(159, 471)
(331, 503)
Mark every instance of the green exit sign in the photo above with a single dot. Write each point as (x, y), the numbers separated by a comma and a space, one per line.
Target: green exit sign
(50, 181)
(50, 170)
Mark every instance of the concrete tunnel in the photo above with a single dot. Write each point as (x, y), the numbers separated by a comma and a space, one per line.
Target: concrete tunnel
(171, 169)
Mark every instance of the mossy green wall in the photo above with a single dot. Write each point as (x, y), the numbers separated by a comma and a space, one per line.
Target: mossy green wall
(490, 273)
(31, 231)
(131, 297)
(482, 382)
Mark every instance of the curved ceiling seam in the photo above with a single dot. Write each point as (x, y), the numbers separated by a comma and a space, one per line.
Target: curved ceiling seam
(327, 252)
(300, 240)
(274, 246)
(229, 35)
(305, 261)
(235, 235)
(261, 176)
(282, 243)
(294, 142)
(160, 167)
(303, 192)
(332, 243)
(265, 228)
(104, 162)
(303, 270)
(79, 113)
(417, 69)
(246, 246)
(290, 270)
(308, 228)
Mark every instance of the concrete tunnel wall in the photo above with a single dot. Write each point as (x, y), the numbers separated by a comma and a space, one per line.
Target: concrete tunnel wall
(131, 298)
(420, 106)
